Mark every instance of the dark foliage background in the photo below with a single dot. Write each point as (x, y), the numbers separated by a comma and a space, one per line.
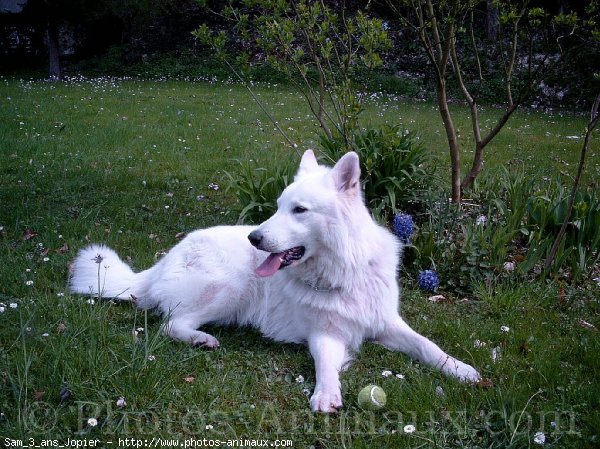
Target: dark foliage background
(152, 38)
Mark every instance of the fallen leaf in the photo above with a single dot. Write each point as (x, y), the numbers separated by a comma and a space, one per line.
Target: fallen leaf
(38, 394)
(524, 348)
(436, 298)
(485, 382)
(61, 328)
(63, 249)
(28, 234)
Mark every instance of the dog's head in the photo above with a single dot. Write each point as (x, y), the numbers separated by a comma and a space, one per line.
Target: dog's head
(307, 211)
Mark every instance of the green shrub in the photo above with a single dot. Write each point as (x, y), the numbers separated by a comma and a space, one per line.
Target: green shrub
(508, 220)
(465, 246)
(258, 188)
(393, 173)
(546, 212)
(394, 166)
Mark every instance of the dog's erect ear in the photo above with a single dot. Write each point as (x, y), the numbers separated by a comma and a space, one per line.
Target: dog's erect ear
(346, 173)
(307, 163)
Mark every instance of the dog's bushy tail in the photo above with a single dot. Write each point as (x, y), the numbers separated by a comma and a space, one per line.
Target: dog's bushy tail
(98, 271)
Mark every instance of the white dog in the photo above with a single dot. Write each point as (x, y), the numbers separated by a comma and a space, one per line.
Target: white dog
(328, 279)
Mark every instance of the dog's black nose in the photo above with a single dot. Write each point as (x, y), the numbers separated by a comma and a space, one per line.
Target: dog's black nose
(255, 238)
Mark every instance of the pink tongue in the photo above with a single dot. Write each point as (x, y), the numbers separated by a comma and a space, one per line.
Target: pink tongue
(270, 265)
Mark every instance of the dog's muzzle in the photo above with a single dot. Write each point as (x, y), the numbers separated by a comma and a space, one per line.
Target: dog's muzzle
(275, 261)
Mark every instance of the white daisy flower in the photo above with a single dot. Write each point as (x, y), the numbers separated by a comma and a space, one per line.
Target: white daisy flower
(386, 373)
(409, 428)
(300, 379)
(92, 422)
(539, 438)
(13, 305)
(504, 329)
(121, 402)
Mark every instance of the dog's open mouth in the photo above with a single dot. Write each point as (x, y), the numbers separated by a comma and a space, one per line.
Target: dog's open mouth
(276, 261)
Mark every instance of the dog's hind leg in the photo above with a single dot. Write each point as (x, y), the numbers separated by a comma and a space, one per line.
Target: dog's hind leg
(185, 330)
(399, 336)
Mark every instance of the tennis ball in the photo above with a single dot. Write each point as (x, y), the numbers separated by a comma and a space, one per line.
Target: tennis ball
(372, 397)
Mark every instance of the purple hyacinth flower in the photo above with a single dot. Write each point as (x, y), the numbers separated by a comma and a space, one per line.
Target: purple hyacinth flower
(428, 280)
(403, 227)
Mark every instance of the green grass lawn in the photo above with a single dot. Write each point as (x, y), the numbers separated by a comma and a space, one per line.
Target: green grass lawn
(133, 164)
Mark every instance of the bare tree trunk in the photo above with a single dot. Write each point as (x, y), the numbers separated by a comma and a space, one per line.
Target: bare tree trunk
(481, 143)
(492, 22)
(476, 168)
(54, 68)
(453, 142)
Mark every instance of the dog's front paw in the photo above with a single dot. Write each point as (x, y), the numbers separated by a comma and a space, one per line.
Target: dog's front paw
(326, 402)
(465, 373)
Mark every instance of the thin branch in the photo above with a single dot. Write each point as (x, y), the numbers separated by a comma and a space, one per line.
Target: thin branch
(259, 103)
(470, 100)
(524, 92)
(426, 42)
(436, 33)
(320, 72)
(513, 57)
(476, 52)
(594, 118)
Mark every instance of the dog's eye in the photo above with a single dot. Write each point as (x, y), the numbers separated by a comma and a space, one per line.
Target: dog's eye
(299, 210)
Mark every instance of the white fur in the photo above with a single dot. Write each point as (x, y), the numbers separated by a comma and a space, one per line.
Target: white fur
(342, 292)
